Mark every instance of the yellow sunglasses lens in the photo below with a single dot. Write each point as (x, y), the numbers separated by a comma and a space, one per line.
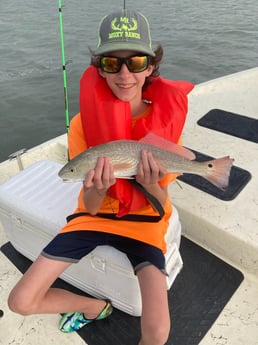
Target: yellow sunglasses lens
(110, 64)
(137, 63)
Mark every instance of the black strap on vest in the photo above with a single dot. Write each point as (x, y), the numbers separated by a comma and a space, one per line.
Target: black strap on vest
(131, 217)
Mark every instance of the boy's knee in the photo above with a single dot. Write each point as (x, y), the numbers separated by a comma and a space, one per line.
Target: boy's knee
(156, 334)
(19, 304)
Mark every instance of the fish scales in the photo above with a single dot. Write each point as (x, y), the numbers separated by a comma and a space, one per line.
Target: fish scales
(130, 152)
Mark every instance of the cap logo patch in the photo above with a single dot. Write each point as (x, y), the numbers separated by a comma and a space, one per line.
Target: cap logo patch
(124, 27)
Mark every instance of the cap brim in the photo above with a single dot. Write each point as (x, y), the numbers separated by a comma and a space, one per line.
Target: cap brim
(109, 47)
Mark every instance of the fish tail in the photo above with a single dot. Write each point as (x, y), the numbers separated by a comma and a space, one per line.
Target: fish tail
(219, 171)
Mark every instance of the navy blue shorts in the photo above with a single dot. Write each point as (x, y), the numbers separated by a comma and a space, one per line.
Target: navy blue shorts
(73, 246)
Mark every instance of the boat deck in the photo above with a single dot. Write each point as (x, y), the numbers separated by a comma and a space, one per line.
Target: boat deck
(229, 229)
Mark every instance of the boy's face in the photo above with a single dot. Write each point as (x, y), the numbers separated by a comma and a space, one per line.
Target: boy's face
(125, 85)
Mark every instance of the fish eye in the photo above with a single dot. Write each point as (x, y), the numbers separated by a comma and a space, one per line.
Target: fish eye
(72, 170)
(210, 165)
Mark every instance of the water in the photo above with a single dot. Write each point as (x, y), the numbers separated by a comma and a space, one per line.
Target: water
(202, 40)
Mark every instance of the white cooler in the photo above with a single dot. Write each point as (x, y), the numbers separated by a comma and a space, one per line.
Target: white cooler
(33, 207)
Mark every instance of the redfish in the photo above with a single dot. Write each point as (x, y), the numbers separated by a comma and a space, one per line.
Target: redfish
(125, 156)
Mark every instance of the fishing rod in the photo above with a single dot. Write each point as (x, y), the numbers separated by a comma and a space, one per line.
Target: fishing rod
(63, 64)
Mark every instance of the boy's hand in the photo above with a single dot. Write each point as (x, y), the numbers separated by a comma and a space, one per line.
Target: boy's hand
(101, 177)
(149, 170)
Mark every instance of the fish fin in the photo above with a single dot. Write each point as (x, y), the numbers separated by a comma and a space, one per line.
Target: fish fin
(219, 171)
(164, 144)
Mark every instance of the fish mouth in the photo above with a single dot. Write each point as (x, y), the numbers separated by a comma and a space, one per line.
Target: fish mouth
(67, 179)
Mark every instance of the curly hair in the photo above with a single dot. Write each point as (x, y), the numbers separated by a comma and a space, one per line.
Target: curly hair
(154, 61)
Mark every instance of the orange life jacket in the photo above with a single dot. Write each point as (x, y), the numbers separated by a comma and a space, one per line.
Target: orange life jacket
(106, 118)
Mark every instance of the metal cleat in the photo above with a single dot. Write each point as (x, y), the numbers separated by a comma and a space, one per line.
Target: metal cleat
(17, 155)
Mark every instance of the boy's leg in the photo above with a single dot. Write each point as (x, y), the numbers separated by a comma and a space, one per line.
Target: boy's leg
(155, 320)
(33, 294)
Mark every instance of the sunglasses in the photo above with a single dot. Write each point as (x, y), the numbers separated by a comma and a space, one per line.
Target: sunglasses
(135, 64)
